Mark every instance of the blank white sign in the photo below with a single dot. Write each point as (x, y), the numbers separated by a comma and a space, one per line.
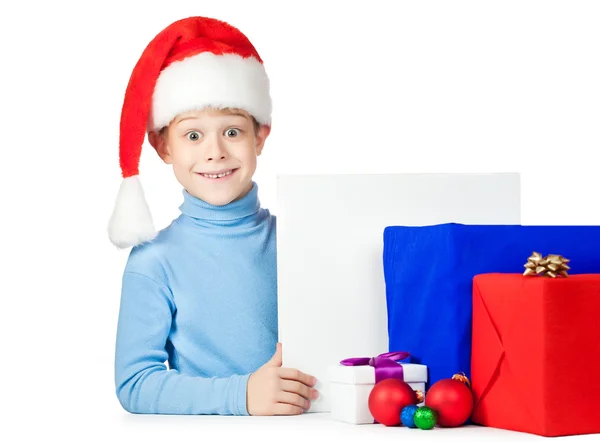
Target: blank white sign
(329, 253)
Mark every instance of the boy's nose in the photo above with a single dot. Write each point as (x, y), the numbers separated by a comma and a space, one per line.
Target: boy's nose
(215, 151)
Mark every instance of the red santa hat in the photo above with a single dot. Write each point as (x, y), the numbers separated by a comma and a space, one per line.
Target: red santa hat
(194, 63)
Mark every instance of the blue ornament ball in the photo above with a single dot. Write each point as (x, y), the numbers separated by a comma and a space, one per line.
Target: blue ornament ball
(407, 416)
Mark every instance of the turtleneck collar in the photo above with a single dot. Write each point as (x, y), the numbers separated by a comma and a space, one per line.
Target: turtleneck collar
(198, 209)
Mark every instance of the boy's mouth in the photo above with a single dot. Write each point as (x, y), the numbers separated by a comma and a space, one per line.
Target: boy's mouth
(218, 174)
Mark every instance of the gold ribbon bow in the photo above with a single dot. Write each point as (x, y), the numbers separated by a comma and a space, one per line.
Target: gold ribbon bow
(551, 265)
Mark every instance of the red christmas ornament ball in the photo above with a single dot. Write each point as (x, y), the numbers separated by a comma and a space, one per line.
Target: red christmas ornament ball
(452, 399)
(388, 398)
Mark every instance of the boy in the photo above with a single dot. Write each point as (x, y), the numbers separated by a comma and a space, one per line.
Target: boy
(201, 293)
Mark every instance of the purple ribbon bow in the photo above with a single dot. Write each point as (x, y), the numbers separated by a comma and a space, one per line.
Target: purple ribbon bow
(385, 364)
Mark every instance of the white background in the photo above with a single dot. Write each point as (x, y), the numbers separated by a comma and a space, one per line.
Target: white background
(358, 87)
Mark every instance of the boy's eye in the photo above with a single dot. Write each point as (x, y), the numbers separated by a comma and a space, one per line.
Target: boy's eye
(193, 136)
(232, 133)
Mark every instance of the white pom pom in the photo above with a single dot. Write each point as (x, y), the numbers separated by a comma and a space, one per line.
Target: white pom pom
(131, 222)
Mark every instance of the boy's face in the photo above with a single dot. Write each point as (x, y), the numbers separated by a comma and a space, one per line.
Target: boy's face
(213, 152)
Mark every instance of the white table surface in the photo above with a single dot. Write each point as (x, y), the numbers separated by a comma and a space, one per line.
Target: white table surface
(73, 405)
(309, 427)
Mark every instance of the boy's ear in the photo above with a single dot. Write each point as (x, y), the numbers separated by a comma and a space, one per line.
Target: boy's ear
(159, 142)
(261, 137)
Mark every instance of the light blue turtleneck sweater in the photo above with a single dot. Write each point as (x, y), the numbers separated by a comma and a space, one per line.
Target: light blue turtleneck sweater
(202, 295)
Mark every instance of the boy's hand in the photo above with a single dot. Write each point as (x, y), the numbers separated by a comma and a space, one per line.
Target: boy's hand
(273, 390)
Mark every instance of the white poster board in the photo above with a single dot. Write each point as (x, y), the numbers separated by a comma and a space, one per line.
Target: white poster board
(330, 253)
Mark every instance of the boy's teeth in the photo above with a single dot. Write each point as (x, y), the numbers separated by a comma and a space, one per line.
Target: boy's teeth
(217, 176)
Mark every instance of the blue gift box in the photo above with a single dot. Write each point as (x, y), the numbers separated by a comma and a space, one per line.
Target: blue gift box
(428, 277)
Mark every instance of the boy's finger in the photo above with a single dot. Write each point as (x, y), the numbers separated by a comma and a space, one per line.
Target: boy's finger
(276, 359)
(294, 374)
(293, 399)
(282, 409)
(298, 388)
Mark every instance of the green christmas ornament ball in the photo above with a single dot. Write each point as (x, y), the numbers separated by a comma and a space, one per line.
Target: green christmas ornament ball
(425, 418)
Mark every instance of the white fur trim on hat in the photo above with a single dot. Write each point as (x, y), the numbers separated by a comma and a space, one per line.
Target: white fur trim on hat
(131, 222)
(206, 79)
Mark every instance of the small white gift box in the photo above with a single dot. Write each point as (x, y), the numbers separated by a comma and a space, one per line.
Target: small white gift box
(350, 387)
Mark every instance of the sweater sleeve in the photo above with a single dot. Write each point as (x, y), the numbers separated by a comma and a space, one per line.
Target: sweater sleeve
(143, 382)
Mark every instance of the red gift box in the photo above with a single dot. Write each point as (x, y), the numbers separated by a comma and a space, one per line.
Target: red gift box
(535, 363)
